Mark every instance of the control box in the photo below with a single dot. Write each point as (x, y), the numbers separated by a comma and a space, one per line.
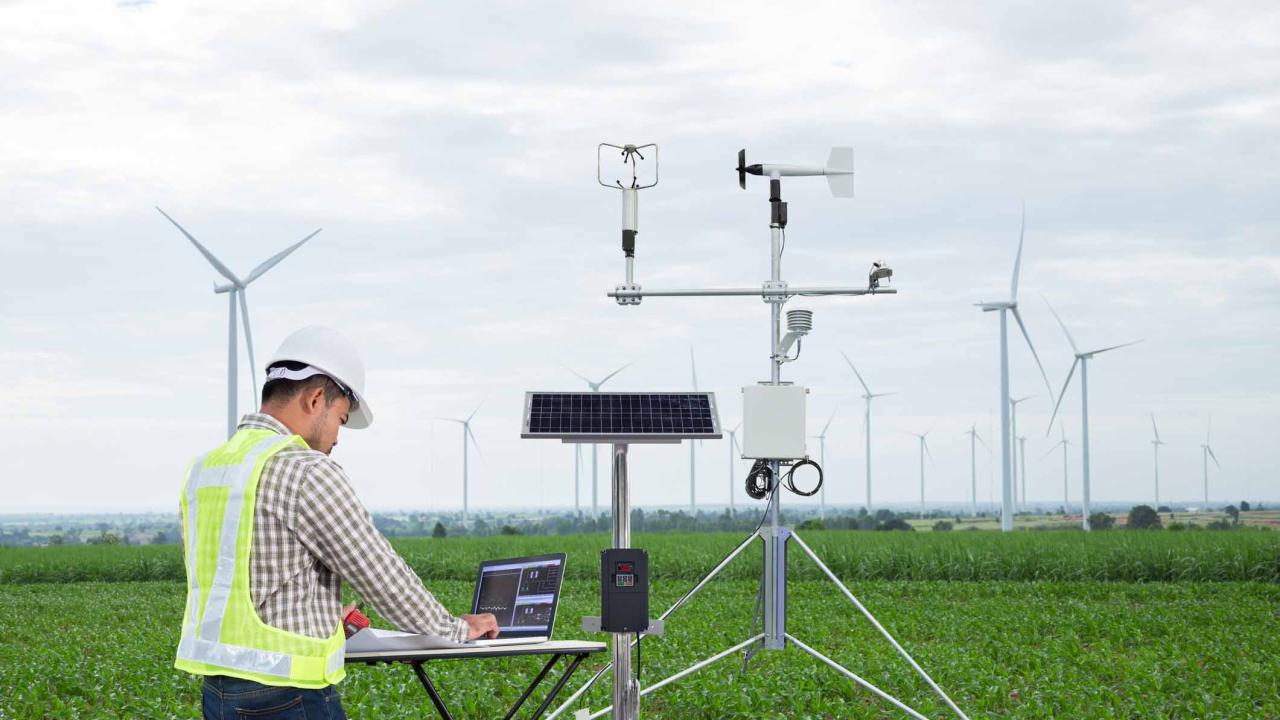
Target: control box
(773, 422)
(624, 590)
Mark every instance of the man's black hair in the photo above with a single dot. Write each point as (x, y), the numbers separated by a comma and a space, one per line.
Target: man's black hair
(280, 389)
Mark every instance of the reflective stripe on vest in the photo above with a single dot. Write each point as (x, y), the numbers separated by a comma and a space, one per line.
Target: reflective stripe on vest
(222, 633)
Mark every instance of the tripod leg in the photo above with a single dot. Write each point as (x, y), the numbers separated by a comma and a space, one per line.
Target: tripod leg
(707, 578)
(822, 566)
(840, 669)
(689, 671)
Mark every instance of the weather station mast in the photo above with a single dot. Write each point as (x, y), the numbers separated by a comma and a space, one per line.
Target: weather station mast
(773, 433)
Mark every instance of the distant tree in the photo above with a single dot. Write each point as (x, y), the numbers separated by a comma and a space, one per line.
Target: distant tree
(1164, 509)
(105, 538)
(942, 526)
(438, 531)
(508, 530)
(1220, 524)
(1234, 513)
(57, 539)
(896, 523)
(884, 515)
(1244, 506)
(1143, 517)
(811, 524)
(1101, 521)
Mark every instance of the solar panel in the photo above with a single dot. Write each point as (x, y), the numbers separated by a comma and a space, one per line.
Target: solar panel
(620, 417)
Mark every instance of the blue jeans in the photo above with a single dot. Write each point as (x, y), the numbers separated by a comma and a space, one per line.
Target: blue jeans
(228, 698)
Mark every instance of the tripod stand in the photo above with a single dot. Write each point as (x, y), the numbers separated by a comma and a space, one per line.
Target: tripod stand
(774, 536)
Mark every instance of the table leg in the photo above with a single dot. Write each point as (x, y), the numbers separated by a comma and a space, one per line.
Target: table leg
(555, 690)
(529, 690)
(431, 690)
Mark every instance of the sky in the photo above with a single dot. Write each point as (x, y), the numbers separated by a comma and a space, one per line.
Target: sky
(449, 152)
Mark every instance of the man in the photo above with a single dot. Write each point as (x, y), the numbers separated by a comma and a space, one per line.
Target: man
(271, 528)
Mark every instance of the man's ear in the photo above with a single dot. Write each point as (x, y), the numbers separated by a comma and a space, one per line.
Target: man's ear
(312, 400)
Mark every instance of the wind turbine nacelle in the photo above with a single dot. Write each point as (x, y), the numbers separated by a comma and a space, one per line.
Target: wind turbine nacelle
(838, 171)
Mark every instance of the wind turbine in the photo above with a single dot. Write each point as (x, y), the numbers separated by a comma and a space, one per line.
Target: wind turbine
(1022, 457)
(466, 433)
(924, 449)
(236, 295)
(577, 464)
(1207, 452)
(1063, 443)
(595, 467)
(1156, 442)
(974, 438)
(868, 396)
(1006, 435)
(733, 444)
(822, 461)
(1019, 498)
(1082, 359)
(693, 475)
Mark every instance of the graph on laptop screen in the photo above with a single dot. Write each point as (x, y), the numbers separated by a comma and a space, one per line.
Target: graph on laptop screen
(521, 594)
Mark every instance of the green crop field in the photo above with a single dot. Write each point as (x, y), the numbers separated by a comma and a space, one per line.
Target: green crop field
(1030, 625)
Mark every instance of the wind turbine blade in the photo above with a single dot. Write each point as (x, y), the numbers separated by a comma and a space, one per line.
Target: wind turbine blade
(474, 441)
(858, 374)
(624, 367)
(735, 427)
(1017, 260)
(1050, 451)
(473, 412)
(876, 395)
(1062, 325)
(925, 443)
(1113, 347)
(576, 374)
(248, 339)
(824, 427)
(1154, 429)
(217, 264)
(1215, 457)
(1021, 326)
(1061, 395)
(271, 261)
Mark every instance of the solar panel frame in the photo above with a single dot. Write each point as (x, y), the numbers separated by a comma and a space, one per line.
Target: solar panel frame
(620, 417)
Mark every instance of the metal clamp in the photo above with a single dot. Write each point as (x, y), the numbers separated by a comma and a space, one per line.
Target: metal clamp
(771, 291)
(628, 294)
(591, 624)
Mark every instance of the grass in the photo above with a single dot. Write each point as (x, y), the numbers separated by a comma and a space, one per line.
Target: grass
(1117, 556)
(1002, 649)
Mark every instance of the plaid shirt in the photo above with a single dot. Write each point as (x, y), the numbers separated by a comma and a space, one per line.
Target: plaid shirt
(310, 532)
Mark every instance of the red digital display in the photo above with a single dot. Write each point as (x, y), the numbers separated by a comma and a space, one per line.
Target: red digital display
(624, 567)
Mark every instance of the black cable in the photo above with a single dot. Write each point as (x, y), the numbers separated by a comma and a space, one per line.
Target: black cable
(789, 482)
(755, 489)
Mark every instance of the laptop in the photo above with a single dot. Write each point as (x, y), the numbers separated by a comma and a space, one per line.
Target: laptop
(523, 594)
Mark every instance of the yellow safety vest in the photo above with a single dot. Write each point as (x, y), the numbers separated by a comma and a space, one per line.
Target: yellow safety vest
(221, 631)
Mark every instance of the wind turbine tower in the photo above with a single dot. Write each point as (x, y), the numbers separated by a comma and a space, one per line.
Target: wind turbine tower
(1082, 359)
(1063, 443)
(1022, 460)
(1004, 307)
(974, 438)
(1156, 442)
(866, 422)
(466, 433)
(1019, 497)
(924, 450)
(822, 461)
(1206, 451)
(733, 445)
(236, 295)
(595, 465)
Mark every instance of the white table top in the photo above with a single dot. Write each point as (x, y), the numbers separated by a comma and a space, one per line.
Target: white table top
(552, 647)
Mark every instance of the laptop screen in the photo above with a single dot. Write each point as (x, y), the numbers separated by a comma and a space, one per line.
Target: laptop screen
(522, 593)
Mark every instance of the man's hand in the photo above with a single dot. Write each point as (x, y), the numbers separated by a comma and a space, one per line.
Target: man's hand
(484, 625)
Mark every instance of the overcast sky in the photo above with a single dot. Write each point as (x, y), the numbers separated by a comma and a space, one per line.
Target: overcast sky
(448, 150)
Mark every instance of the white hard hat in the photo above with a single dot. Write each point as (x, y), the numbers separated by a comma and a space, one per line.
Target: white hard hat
(331, 353)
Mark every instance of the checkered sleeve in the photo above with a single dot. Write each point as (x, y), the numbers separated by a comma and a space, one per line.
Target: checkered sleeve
(334, 525)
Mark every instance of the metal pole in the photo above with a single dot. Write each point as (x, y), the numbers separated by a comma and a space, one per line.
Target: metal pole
(1006, 488)
(231, 367)
(577, 461)
(822, 458)
(922, 477)
(693, 500)
(731, 444)
(1084, 437)
(867, 613)
(595, 485)
(626, 691)
(841, 669)
(775, 563)
(868, 426)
